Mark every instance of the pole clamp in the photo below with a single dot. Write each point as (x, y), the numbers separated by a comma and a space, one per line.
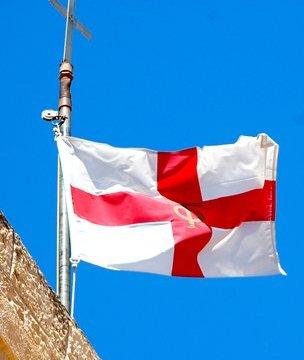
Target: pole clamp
(74, 263)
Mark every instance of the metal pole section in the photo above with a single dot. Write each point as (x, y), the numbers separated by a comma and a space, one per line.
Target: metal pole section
(67, 51)
(64, 110)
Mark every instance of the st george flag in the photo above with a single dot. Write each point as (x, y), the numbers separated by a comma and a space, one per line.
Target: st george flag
(198, 212)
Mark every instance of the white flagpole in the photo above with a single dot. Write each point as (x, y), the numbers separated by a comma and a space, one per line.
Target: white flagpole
(62, 119)
(64, 110)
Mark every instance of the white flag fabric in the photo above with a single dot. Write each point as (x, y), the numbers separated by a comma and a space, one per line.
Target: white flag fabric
(198, 212)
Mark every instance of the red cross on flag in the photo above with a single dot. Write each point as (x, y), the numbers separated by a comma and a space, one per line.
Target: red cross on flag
(199, 212)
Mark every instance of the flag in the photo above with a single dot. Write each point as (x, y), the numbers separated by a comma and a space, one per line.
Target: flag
(198, 212)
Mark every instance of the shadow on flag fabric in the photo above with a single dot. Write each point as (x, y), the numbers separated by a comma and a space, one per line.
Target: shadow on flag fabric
(198, 212)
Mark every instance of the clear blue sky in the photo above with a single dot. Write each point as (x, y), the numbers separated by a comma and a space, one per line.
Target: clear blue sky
(164, 75)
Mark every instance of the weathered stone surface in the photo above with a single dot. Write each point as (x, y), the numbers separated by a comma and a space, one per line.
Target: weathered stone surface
(34, 325)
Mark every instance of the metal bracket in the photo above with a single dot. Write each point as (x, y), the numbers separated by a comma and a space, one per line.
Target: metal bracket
(53, 117)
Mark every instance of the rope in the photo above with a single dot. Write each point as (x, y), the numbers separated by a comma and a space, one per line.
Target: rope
(57, 131)
(74, 270)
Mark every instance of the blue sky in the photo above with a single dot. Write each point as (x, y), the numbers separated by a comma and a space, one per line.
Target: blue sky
(163, 75)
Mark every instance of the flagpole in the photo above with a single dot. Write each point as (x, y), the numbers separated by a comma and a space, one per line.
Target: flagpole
(64, 111)
(62, 119)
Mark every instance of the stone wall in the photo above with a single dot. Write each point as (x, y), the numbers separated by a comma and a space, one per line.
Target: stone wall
(34, 325)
